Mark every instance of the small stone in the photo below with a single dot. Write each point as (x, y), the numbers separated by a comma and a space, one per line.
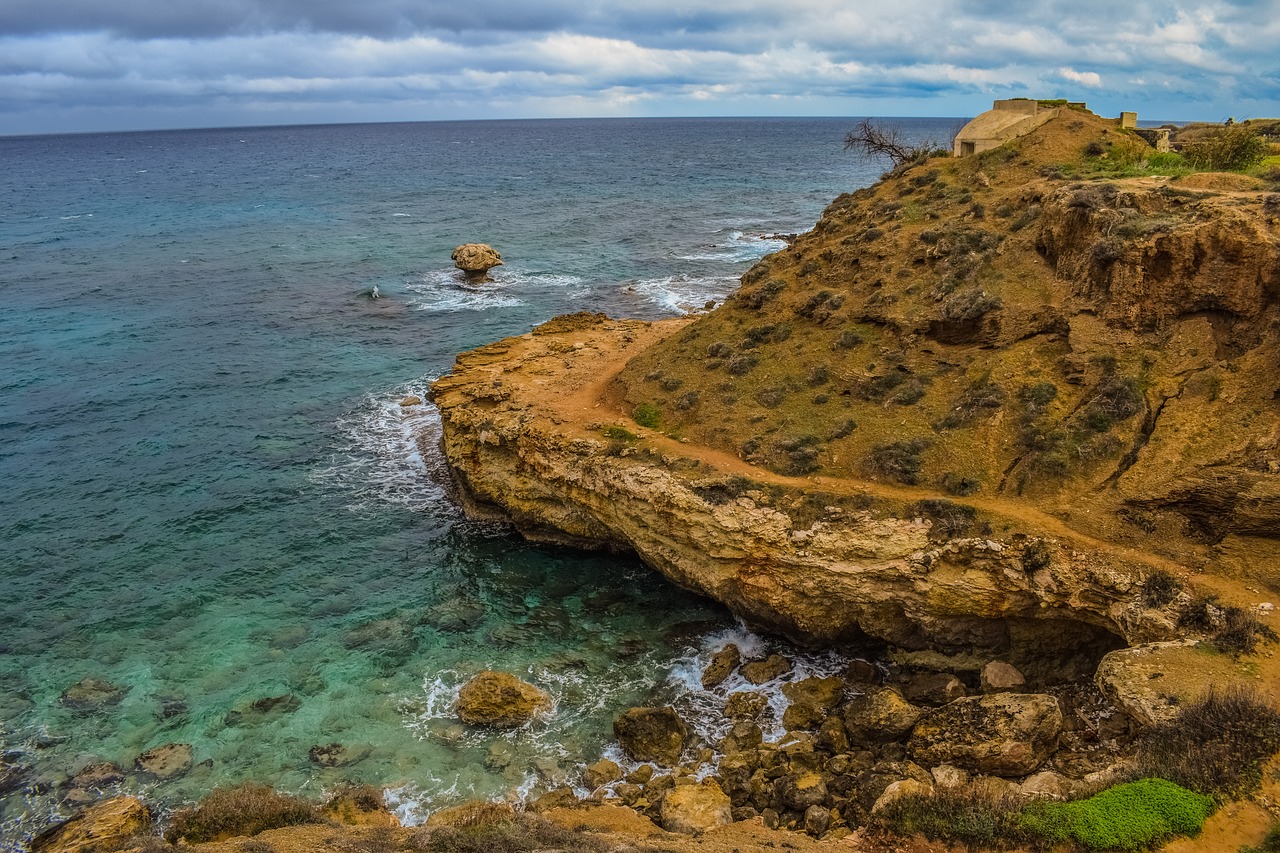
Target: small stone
(817, 820)
(933, 688)
(560, 798)
(811, 701)
(602, 773)
(1000, 677)
(759, 672)
(165, 762)
(641, 774)
(801, 790)
(722, 665)
(411, 400)
(862, 672)
(500, 700)
(743, 736)
(1046, 785)
(879, 715)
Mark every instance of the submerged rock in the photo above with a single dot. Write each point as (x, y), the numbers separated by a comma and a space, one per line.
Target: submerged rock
(14, 775)
(652, 734)
(165, 762)
(500, 700)
(91, 694)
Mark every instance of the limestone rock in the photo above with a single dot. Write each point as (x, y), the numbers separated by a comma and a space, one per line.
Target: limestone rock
(1000, 677)
(1150, 681)
(801, 790)
(91, 694)
(722, 665)
(949, 776)
(104, 827)
(742, 736)
(500, 700)
(1004, 734)
(476, 259)
(694, 809)
(898, 790)
(603, 772)
(651, 734)
(1047, 785)
(761, 671)
(933, 688)
(878, 715)
(811, 701)
(165, 762)
(817, 820)
(745, 705)
(862, 672)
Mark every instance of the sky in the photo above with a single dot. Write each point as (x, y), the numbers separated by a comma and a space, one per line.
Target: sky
(92, 65)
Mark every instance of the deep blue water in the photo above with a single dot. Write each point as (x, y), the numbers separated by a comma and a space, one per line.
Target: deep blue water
(211, 495)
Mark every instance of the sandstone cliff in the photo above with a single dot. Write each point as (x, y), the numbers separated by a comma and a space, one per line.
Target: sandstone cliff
(969, 412)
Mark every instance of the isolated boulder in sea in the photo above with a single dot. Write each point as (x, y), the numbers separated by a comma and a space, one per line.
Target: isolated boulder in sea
(1003, 734)
(722, 665)
(475, 260)
(500, 700)
(602, 773)
(651, 734)
(165, 762)
(104, 826)
(760, 671)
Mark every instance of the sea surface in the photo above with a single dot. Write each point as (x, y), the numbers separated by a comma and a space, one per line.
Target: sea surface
(210, 495)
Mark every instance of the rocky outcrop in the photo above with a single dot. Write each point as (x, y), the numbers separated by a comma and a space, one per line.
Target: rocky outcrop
(500, 700)
(475, 260)
(1004, 734)
(651, 734)
(694, 809)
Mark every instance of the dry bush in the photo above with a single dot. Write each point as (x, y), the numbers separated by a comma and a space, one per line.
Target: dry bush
(243, 810)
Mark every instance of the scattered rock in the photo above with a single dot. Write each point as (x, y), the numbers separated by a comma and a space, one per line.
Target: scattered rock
(898, 790)
(165, 762)
(811, 701)
(476, 259)
(801, 790)
(92, 694)
(949, 776)
(744, 735)
(1047, 785)
(933, 688)
(759, 672)
(880, 714)
(862, 672)
(1128, 678)
(411, 400)
(641, 774)
(722, 665)
(745, 705)
(102, 827)
(602, 773)
(14, 775)
(817, 820)
(457, 614)
(694, 809)
(560, 798)
(1004, 734)
(500, 700)
(259, 710)
(1001, 677)
(96, 777)
(651, 734)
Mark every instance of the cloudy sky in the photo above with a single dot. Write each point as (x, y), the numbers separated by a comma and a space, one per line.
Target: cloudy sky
(75, 65)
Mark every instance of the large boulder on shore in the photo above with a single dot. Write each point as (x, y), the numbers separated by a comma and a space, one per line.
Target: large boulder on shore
(500, 700)
(651, 734)
(476, 259)
(694, 809)
(1003, 734)
(879, 715)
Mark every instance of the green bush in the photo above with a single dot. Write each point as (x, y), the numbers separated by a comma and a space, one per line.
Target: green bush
(1230, 149)
(243, 810)
(1270, 844)
(1160, 587)
(1132, 816)
(899, 461)
(617, 433)
(965, 815)
(647, 415)
(1215, 745)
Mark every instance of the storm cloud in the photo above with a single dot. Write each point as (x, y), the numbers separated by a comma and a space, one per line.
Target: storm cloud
(109, 64)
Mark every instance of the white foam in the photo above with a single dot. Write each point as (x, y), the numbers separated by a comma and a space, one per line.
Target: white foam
(737, 247)
(681, 294)
(379, 458)
(448, 291)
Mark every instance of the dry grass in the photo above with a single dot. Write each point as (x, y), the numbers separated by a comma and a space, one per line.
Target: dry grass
(242, 810)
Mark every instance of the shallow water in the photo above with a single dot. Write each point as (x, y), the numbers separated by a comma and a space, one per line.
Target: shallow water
(212, 495)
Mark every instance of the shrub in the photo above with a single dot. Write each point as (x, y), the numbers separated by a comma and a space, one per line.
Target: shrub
(741, 365)
(756, 299)
(966, 815)
(899, 460)
(647, 415)
(1160, 587)
(800, 455)
(1270, 843)
(978, 399)
(243, 810)
(1133, 816)
(719, 349)
(1215, 745)
(513, 834)
(1241, 632)
(688, 400)
(848, 340)
(1036, 556)
(1230, 149)
(960, 484)
(617, 433)
(842, 429)
(949, 518)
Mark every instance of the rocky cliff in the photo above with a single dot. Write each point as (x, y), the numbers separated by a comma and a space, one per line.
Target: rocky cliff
(970, 412)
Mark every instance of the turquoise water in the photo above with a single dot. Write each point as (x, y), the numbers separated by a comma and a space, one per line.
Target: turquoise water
(212, 495)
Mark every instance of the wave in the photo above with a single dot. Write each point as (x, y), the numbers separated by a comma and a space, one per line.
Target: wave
(379, 456)
(446, 290)
(738, 247)
(683, 294)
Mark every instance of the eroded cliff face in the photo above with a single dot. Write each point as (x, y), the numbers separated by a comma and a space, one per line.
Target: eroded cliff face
(530, 437)
(970, 412)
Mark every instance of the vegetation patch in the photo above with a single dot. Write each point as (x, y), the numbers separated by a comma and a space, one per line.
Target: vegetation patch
(1160, 587)
(647, 415)
(243, 810)
(1133, 816)
(949, 518)
(966, 814)
(619, 433)
(510, 834)
(900, 460)
(1215, 746)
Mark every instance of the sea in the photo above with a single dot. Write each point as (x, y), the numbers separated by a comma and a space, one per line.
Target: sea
(212, 501)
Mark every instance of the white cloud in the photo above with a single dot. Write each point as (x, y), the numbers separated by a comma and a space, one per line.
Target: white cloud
(1084, 78)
